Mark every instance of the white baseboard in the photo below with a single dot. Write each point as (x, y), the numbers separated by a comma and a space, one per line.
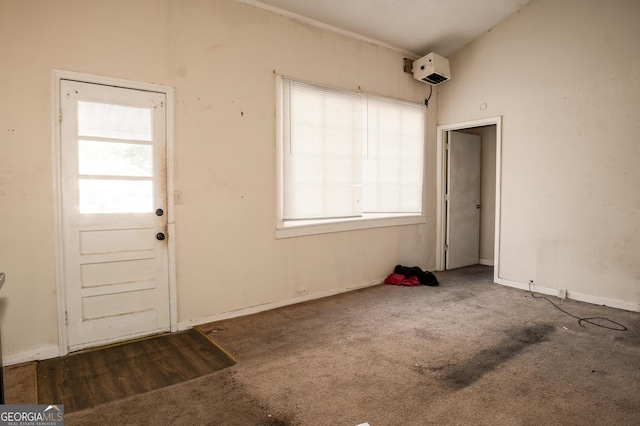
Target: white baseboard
(525, 286)
(53, 351)
(486, 262)
(595, 300)
(186, 324)
(38, 354)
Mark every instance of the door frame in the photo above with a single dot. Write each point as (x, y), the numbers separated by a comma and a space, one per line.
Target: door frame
(441, 188)
(56, 77)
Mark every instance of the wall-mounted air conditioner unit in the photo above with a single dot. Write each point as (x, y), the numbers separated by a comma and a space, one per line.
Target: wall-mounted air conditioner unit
(432, 69)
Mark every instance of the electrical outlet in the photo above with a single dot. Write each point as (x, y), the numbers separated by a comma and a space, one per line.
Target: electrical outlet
(301, 292)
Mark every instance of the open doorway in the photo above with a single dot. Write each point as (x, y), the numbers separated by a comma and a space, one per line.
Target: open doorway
(468, 194)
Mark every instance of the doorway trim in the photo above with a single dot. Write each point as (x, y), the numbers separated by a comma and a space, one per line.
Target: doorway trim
(56, 77)
(441, 190)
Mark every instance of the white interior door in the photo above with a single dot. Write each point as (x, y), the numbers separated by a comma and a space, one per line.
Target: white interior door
(463, 200)
(114, 203)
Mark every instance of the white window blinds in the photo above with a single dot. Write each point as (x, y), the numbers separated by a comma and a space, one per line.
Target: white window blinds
(322, 158)
(345, 154)
(394, 157)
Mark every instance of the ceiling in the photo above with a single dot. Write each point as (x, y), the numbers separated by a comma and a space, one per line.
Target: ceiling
(417, 26)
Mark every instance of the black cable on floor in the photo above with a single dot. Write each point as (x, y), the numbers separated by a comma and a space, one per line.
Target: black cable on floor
(588, 320)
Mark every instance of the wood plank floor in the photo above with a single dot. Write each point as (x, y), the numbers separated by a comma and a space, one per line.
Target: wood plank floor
(89, 378)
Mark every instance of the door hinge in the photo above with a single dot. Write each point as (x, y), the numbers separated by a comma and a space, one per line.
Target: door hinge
(66, 317)
(446, 247)
(60, 115)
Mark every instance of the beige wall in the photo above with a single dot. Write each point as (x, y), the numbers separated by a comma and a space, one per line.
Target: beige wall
(221, 57)
(565, 77)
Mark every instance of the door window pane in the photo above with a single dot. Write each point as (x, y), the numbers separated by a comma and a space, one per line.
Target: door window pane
(114, 121)
(115, 196)
(115, 159)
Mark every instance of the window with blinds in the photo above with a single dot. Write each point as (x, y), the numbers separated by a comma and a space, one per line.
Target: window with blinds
(347, 155)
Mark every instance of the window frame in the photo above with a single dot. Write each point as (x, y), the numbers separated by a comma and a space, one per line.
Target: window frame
(286, 229)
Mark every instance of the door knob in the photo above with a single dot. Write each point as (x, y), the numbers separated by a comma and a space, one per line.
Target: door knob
(477, 206)
(159, 212)
(160, 236)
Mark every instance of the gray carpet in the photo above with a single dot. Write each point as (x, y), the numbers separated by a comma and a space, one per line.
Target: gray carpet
(469, 352)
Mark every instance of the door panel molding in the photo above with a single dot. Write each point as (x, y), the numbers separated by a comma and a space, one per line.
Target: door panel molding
(441, 181)
(56, 78)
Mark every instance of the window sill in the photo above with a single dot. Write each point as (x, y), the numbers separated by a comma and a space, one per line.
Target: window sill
(312, 227)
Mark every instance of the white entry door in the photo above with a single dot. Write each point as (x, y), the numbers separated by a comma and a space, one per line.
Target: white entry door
(463, 200)
(114, 203)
